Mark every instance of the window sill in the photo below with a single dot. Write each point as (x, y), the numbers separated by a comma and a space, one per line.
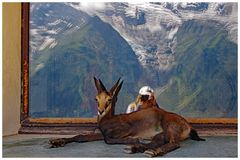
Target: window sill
(66, 126)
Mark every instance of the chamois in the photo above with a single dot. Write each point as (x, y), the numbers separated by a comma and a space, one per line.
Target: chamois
(164, 129)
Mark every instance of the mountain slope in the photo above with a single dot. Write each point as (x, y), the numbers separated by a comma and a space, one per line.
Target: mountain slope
(204, 83)
(67, 71)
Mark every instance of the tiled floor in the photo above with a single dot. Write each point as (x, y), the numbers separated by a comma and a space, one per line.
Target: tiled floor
(37, 146)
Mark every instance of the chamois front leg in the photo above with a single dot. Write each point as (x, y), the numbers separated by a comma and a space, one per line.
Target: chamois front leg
(58, 142)
(121, 140)
(61, 142)
(157, 141)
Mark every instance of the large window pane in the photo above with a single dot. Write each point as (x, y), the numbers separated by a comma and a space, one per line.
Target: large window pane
(186, 52)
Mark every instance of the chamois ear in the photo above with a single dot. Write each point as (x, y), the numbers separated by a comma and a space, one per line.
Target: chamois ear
(98, 85)
(114, 87)
(115, 94)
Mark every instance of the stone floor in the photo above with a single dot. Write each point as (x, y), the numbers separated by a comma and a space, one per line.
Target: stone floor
(37, 146)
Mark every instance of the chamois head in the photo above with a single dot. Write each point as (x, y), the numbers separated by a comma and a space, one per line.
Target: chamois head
(106, 99)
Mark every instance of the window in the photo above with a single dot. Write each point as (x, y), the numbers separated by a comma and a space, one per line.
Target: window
(191, 64)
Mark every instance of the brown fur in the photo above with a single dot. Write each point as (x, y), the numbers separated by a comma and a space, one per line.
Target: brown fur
(149, 103)
(165, 129)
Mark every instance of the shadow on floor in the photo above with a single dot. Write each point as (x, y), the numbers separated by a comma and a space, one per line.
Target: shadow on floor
(28, 146)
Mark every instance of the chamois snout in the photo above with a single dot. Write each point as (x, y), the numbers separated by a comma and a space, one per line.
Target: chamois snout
(103, 100)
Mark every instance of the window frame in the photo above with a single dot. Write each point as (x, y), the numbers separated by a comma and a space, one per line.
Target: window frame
(206, 126)
(43, 125)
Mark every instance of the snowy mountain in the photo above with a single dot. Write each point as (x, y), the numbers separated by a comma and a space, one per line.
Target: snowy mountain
(158, 24)
(49, 21)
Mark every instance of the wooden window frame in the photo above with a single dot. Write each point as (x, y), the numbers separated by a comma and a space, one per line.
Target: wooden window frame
(206, 126)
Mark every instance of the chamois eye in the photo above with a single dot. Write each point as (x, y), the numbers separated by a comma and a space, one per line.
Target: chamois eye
(109, 100)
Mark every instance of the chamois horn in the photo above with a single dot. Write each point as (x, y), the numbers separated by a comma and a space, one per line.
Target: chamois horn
(111, 91)
(118, 88)
(102, 86)
(99, 85)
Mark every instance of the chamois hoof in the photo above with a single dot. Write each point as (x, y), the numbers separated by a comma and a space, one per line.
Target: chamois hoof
(152, 153)
(135, 148)
(128, 149)
(55, 143)
(149, 153)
